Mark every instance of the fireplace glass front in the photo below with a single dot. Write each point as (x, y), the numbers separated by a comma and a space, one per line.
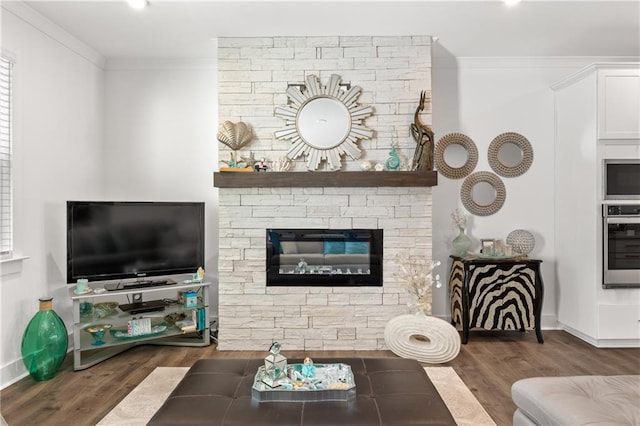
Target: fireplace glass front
(324, 257)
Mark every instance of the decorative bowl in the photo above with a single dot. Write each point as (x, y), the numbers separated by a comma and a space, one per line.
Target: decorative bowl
(104, 309)
(98, 331)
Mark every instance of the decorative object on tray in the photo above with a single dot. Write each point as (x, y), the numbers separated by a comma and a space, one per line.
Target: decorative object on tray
(323, 122)
(326, 382)
(275, 365)
(308, 369)
(98, 331)
(424, 137)
(456, 145)
(510, 154)
(521, 241)
(393, 162)
(417, 275)
(123, 334)
(483, 193)
(44, 342)
(461, 243)
(235, 136)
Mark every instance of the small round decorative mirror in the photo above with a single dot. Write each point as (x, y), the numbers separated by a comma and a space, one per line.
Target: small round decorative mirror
(483, 193)
(510, 154)
(323, 122)
(456, 155)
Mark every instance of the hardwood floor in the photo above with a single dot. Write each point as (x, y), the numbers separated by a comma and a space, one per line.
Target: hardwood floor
(489, 364)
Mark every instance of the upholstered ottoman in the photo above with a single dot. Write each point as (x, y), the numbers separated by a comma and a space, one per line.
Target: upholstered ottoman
(389, 391)
(578, 400)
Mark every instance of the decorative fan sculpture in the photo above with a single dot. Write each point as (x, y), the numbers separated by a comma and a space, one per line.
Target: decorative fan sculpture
(235, 136)
(323, 122)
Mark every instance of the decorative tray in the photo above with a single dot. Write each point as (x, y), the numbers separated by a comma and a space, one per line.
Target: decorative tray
(331, 382)
(122, 333)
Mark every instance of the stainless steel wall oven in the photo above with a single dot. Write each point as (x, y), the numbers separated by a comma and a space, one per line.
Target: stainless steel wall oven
(621, 246)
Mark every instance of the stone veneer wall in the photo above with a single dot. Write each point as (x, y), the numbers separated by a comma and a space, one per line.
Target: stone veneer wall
(253, 74)
(252, 316)
(252, 79)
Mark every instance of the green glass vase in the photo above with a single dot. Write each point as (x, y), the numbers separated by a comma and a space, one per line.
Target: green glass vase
(44, 343)
(461, 244)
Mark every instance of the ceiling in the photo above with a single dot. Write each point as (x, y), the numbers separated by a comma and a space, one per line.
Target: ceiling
(185, 29)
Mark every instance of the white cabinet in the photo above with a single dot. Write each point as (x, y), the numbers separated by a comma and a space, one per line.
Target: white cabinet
(597, 114)
(619, 103)
(89, 309)
(619, 321)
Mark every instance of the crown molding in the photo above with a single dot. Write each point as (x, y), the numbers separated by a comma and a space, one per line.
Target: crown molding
(162, 64)
(27, 14)
(442, 62)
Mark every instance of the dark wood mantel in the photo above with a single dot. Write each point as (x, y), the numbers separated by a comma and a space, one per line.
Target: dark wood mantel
(323, 179)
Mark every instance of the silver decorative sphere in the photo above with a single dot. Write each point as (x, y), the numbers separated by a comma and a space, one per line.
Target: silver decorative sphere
(521, 241)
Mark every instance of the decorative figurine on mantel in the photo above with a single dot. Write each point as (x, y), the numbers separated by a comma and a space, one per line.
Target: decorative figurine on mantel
(235, 136)
(393, 162)
(424, 136)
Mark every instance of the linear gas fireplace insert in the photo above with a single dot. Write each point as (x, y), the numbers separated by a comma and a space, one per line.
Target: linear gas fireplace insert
(324, 257)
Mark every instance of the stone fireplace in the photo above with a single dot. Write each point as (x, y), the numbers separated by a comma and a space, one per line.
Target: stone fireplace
(253, 315)
(253, 76)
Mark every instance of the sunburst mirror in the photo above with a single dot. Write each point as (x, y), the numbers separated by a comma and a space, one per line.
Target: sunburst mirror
(323, 122)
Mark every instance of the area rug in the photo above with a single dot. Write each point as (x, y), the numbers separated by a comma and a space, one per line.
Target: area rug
(140, 405)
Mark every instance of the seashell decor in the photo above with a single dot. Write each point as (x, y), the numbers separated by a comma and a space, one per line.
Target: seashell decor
(235, 135)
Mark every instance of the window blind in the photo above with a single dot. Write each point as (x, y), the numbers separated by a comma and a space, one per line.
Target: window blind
(6, 228)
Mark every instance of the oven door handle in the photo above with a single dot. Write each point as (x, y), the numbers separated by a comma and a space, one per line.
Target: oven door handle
(620, 220)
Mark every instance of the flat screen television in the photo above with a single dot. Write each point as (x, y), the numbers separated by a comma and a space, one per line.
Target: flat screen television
(120, 240)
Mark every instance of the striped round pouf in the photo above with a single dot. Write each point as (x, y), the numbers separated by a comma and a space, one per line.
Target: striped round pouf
(423, 338)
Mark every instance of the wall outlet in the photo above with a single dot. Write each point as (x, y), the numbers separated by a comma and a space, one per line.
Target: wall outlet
(137, 297)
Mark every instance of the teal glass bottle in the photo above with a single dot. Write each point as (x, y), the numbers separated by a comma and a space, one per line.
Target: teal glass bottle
(44, 343)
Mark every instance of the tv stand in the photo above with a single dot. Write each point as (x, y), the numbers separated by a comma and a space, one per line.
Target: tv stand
(164, 331)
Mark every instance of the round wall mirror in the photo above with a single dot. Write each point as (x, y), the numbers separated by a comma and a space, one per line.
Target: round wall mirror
(323, 122)
(510, 154)
(483, 193)
(456, 155)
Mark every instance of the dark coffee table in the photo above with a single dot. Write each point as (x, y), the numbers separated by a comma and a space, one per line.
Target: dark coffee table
(389, 391)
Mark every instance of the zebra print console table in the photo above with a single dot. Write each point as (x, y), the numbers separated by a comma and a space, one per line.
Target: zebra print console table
(496, 294)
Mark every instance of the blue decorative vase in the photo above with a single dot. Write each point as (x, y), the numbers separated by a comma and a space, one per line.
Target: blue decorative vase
(44, 343)
(461, 244)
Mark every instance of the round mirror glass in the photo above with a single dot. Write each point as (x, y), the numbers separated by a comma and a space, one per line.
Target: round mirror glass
(510, 154)
(483, 193)
(323, 122)
(456, 155)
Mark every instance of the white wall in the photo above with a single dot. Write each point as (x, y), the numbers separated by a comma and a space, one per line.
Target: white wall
(483, 98)
(58, 128)
(160, 138)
